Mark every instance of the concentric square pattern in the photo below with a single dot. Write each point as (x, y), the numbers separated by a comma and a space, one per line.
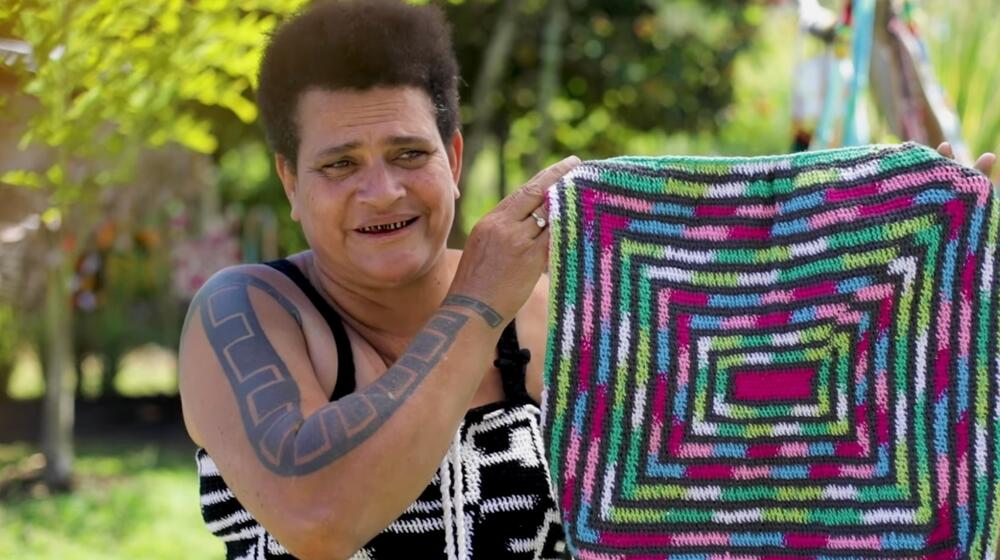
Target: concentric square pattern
(784, 357)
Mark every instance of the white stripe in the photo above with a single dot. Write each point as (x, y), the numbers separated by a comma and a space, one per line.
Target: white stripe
(416, 526)
(219, 525)
(814, 247)
(738, 516)
(251, 532)
(882, 516)
(207, 467)
(508, 504)
(424, 507)
(217, 497)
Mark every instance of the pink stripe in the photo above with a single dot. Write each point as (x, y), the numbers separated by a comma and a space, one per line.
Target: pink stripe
(857, 471)
(714, 210)
(832, 217)
(885, 315)
(628, 202)
(922, 177)
(740, 322)
(944, 480)
(942, 530)
(655, 431)
(682, 297)
(795, 450)
(824, 470)
(874, 293)
(775, 319)
(707, 233)
(965, 308)
(958, 212)
(702, 472)
(805, 540)
(757, 211)
(778, 296)
(591, 555)
(976, 184)
(847, 449)
(887, 207)
(659, 401)
(869, 542)
(763, 450)
(882, 408)
(590, 473)
(862, 430)
(860, 191)
(701, 539)
(749, 232)
(962, 452)
(573, 453)
(663, 313)
(743, 472)
(942, 373)
(697, 450)
(683, 329)
(825, 288)
(609, 224)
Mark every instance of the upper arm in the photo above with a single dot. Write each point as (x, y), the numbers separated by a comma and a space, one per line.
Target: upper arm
(247, 382)
(532, 333)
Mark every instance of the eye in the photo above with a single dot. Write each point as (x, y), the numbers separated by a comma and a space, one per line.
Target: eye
(339, 164)
(412, 155)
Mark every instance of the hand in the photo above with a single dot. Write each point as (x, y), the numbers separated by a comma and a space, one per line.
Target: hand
(507, 250)
(984, 164)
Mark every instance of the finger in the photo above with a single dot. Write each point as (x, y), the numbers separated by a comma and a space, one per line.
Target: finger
(538, 222)
(529, 197)
(985, 163)
(946, 150)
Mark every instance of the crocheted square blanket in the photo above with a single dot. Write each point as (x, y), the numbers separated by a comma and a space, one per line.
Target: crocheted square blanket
(778, 357)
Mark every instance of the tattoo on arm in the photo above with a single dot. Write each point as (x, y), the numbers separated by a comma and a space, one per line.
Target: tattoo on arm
(269, 400)
(492, 318)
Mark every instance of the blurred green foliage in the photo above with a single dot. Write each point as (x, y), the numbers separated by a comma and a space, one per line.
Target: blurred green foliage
(964, 40)
(132, 501)
(112, 76)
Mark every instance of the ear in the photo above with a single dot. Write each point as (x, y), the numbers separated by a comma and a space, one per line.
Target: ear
(286, 172)
(455, 148)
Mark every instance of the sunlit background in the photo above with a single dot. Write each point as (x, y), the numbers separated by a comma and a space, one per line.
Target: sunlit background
(131, 169)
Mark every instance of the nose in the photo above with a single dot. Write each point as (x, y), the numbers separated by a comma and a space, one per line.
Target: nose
(380, 188)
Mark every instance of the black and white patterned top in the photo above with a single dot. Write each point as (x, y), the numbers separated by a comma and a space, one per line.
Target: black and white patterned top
(490, 498)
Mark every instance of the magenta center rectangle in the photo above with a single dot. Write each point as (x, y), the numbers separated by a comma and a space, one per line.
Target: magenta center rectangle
(774, 384)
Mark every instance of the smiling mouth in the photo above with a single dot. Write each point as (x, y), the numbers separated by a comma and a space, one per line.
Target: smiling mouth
(386, 228)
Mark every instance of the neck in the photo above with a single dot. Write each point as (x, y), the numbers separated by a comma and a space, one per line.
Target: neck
(395, 313)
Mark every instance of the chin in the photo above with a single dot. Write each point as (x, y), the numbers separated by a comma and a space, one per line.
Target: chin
(397, 270)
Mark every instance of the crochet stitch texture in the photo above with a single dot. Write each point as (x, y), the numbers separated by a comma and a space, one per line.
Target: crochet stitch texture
(778, 357)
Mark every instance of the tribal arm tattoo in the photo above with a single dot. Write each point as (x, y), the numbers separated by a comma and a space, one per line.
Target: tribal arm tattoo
(285, 442)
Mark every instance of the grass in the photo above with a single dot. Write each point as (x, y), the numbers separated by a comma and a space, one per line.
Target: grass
(132, 500)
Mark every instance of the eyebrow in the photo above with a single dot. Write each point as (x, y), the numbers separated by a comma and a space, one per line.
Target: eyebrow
(348, 146)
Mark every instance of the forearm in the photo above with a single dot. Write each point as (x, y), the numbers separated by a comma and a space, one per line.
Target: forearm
(354, 449)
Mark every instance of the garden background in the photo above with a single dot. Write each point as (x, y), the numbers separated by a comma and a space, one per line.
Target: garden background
(131, 168)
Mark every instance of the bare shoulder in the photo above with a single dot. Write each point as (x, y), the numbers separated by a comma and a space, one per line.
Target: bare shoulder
(532, 333)
(245, 319)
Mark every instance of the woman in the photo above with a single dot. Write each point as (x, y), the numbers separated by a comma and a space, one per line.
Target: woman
(372, 393)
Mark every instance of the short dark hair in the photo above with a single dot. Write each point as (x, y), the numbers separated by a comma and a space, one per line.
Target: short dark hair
(356, 44)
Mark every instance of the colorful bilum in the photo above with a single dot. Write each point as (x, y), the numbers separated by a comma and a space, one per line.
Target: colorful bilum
(779, 357)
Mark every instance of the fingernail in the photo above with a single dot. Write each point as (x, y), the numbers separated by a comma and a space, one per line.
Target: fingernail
(572, 160)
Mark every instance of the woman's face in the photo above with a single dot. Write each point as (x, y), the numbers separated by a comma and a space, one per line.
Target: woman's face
(374, 187)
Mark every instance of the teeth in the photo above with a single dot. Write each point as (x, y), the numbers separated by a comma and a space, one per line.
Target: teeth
(382, 228)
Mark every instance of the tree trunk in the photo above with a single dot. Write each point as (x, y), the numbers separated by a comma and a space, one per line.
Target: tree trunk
(557, 20)
(57, 421)
(502, 133)
(6, 372)
(491, 69)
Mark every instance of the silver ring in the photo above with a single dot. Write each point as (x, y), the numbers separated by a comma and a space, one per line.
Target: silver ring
(539, 221)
